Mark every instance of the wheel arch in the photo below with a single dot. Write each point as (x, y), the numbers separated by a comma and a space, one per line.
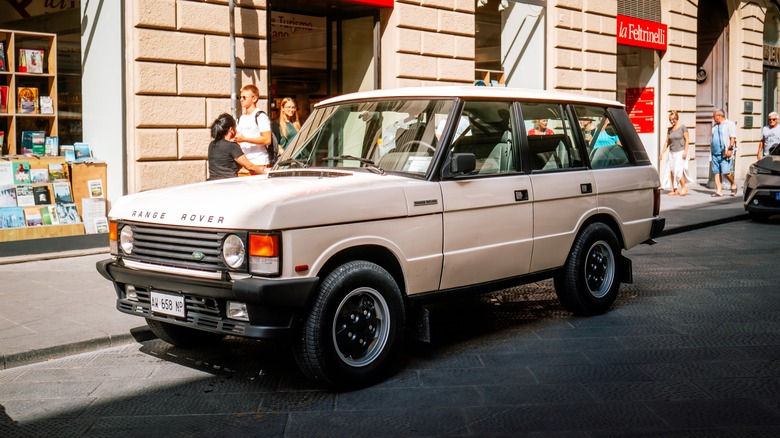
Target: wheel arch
(609, 221)
(377, 254)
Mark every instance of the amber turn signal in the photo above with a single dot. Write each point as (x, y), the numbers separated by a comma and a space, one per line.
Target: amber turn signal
(112, 231)
(263, 245)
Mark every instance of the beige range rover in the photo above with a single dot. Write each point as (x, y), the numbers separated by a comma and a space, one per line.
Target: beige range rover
(384, 202)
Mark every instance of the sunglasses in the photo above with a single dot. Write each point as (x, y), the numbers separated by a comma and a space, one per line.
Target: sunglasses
(773, 118)
(245, 97)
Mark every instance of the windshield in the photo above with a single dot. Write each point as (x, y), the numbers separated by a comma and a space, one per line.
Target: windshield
(394, 135)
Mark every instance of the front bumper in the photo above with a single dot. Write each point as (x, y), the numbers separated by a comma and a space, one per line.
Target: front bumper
(761, 194)
(272, 304)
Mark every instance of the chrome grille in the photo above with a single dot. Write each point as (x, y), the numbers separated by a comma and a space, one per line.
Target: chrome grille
(176, 246)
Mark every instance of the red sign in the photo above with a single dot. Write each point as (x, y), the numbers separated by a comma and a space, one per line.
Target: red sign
(640, 106)
(380, 3)
(641, 33)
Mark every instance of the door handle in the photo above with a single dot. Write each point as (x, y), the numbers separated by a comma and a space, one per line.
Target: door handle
(521, 195)
(586, 188)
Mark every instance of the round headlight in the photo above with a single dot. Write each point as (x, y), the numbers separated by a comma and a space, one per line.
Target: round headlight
(233, 251)
(126, 240)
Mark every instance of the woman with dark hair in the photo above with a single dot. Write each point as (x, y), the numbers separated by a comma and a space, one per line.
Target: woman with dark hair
(225, 156)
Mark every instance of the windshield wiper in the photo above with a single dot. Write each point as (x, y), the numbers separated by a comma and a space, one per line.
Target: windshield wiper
(299, 163)
(371, 165)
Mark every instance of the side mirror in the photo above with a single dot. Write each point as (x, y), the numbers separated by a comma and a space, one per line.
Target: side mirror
(462, 163)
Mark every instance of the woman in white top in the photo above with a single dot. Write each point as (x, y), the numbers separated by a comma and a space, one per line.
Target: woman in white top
(254, 130)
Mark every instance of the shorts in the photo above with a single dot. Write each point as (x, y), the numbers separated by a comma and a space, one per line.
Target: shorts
(721, 165)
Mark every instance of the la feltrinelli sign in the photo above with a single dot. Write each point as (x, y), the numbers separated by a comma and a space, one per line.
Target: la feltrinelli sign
(641, 33)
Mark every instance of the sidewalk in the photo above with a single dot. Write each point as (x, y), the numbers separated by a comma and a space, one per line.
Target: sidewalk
(55, 305)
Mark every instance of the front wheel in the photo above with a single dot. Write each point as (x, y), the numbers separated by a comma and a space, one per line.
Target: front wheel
(180, 336)
(589, 281)
(354, 328)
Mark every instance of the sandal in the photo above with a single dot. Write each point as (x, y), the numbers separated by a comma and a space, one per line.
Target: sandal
(672, 193)
(734, 192)
(716, 195)
(683, 193)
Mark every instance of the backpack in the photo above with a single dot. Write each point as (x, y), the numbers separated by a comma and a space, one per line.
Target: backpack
(273, 148)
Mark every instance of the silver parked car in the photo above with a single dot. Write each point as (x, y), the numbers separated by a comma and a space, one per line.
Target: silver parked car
(762, 187)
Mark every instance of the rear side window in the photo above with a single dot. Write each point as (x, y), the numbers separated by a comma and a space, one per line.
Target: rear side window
(603, 143)
(550, 137)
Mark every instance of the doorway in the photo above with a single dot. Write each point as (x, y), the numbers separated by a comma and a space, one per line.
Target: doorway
(316, 53)
(712, 80)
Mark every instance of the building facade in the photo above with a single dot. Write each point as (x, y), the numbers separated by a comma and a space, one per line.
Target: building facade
(155, 73)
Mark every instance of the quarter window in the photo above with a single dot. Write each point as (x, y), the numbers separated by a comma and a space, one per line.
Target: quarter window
(602, 141)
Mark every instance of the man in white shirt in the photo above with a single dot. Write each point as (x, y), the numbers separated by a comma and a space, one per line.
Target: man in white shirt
(254, 130)
(770, 136)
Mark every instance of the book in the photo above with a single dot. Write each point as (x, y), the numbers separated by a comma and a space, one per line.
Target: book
(6, 173)
(7, 196)
(21, 171)
(27, 100)
(68, 214)
(24, 196)
(42, 194)
(95, 188)
(62, 193)
(11, 217)
(3, 63)
(39, 176)
(3, 98)
(46, 105)
(49, 215)
(32, 217)
(33, 141)
(82, 150)
(2, 139)
(58, 172)
(22, 66)
(68, 152)
(52, 146)
(34, 60)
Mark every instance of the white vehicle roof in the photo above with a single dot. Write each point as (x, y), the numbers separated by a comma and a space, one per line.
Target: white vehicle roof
(470, 92)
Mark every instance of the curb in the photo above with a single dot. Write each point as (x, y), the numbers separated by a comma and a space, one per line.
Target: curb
(137, 334)
(705, 224)
(52, 255)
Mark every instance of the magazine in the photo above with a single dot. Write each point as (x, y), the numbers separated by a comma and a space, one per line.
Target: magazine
(33, 217)
(24, 196)
(82, 150)
(58, 172)
(8, 196)
(33, 142)
(47, 106)
(39, 176)
(95, 188)
(49, 215)
(52, 146)
(62, 193)
(11, 217)
(42, 194)
(6, 173)
(68, 152)
(3, 98)
(3, 63)
(28, 100)
(34, 60)
(21, 170)
(68, 214)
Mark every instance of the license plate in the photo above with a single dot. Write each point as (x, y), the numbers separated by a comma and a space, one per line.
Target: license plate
(168, 304)
(777, 196)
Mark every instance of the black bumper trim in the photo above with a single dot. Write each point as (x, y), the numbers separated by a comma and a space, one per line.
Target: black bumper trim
(658, 227)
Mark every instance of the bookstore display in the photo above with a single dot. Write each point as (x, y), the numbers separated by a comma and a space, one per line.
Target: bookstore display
(28, 91)
(48, 196)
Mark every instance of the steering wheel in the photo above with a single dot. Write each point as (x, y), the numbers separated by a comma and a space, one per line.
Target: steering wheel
(409, 145)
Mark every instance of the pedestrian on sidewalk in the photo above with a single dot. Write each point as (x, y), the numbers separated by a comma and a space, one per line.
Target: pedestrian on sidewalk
(770, 137)
(724, 141)
(677, 160)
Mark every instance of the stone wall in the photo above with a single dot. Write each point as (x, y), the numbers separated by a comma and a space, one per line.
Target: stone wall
(178, 57)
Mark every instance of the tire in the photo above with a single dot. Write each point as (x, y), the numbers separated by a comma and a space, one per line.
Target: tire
(184, 337)
(589, 281)
(351, 334)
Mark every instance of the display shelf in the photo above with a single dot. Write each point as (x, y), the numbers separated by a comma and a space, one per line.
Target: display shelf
(13, 122)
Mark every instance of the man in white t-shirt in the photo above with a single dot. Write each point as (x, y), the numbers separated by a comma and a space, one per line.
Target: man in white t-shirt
(254, 130)
(770, 136)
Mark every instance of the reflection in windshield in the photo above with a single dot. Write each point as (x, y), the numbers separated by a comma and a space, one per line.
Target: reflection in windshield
(396, 136)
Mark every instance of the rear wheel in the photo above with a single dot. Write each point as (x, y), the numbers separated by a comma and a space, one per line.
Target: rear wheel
(182, 336)
(589, 281)
(354, 328)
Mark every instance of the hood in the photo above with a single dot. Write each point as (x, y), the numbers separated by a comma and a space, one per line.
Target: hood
(281, 200)
(770, 162)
